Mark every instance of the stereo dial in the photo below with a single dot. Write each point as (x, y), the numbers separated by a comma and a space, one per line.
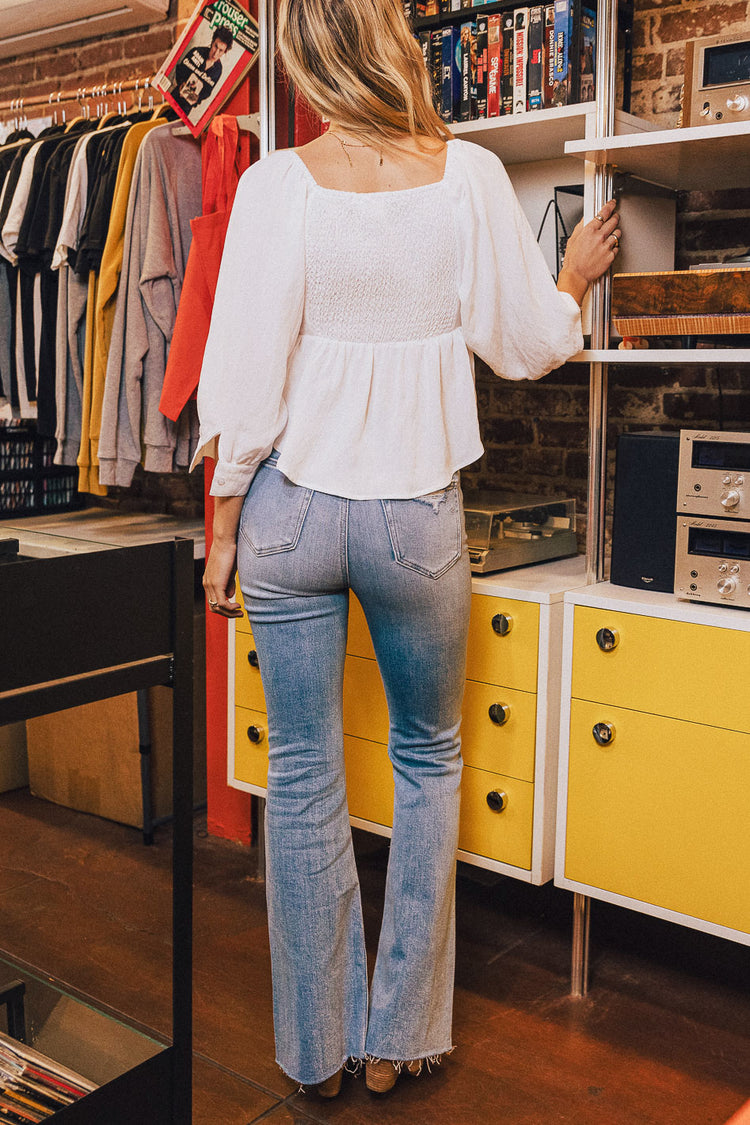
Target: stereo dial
(730, 498)
(738, 103)
(726, 586)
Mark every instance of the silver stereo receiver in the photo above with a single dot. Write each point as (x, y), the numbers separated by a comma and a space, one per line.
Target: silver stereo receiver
(712, 561)
(712, 551)
(505, 530)
(714, 474)
(717, 80)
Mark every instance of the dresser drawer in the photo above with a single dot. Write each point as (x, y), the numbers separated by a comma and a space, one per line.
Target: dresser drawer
(673, 668)
(504, 835)
(505, 742)
(358, 640)
(660, 813)
(365, 708)
(241, 624)
(248, 689)
(369, 781)
(250, 746)
(503, 659)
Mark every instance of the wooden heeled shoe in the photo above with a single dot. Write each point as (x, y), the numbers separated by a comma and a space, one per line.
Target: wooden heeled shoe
(381, 1075)
(331, 1087)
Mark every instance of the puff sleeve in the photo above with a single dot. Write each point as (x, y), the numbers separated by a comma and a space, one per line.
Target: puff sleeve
(254, 324)
(512, 313)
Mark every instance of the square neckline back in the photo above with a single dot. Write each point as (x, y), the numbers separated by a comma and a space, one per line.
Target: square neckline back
(390, 191)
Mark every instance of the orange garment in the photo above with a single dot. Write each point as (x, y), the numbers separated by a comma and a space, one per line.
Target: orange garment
(223, 163)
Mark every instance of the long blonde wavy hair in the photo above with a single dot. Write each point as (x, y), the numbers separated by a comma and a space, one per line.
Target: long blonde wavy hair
(357, 63)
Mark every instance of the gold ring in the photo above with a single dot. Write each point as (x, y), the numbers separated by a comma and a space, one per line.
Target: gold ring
(213, 604)
(599, 219)
(616, 245)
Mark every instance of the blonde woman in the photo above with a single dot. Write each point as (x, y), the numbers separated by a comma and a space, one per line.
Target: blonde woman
(361, 274)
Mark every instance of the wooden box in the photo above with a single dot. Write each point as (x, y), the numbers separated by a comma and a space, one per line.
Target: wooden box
(682, 302)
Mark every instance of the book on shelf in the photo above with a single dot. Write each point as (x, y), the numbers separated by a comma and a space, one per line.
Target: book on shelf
(549, 53)
(520, 58)
(507, 30)
(535, 66)
(481, 108)
(561, 75)
(450, 107)
(494, 66)
(209, 60)
(583, 51)
(467, 111)
(525, 58)
(436, 68)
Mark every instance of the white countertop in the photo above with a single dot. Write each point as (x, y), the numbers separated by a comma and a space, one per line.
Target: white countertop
(606, 595)
(544, 582)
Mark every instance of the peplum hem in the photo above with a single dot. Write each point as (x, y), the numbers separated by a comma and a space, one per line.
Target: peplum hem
(394, 419)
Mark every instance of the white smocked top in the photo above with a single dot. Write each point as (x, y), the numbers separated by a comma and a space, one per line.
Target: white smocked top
(345, 323)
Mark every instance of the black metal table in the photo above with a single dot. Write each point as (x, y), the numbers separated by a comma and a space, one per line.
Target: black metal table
(88, 625)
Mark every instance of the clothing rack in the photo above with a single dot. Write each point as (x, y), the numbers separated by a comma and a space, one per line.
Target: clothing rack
(104, 91)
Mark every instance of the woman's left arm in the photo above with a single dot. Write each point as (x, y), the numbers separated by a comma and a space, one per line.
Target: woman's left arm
(590, 252)
(219, 579)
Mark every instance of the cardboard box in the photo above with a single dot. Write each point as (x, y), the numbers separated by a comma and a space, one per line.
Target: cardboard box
(88, 758)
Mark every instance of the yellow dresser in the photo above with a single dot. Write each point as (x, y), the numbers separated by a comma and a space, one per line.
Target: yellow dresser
(654, 795)
(510, 730)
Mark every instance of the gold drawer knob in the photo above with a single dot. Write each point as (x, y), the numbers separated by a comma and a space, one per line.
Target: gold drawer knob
(502, 623)
(256, 734)
(499, 713)
(252, 659)
(607, 639)
(604, 733)
(497, 800)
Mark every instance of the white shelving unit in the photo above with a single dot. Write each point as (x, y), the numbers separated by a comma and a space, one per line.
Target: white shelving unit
(661, 357)
(715, 157)
(542, 134)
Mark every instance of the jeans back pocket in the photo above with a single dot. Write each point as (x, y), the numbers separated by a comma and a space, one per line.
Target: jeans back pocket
(426, 533)
(274, 512)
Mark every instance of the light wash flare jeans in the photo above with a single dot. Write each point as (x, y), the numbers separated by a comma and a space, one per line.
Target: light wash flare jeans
(299, 554)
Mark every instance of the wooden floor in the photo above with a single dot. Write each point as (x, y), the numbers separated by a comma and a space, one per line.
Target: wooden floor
(662, 1039)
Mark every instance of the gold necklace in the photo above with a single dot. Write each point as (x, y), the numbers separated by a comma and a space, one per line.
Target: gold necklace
(350, 144)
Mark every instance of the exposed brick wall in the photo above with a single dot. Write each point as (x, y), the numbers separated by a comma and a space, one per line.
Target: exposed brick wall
(123, 55)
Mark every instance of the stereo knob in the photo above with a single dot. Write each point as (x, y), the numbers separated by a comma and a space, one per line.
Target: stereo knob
(256, 734)
(726, 586)
(730, 498)
(502, 623)
(252, 659)
(739, 103)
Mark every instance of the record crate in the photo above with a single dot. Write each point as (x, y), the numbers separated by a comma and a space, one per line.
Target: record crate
(30, 483)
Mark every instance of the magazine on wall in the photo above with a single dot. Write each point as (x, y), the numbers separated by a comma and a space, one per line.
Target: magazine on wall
(208, 61)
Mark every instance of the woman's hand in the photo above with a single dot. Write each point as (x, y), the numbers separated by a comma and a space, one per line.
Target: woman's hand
(591, 250)
(219, 576)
